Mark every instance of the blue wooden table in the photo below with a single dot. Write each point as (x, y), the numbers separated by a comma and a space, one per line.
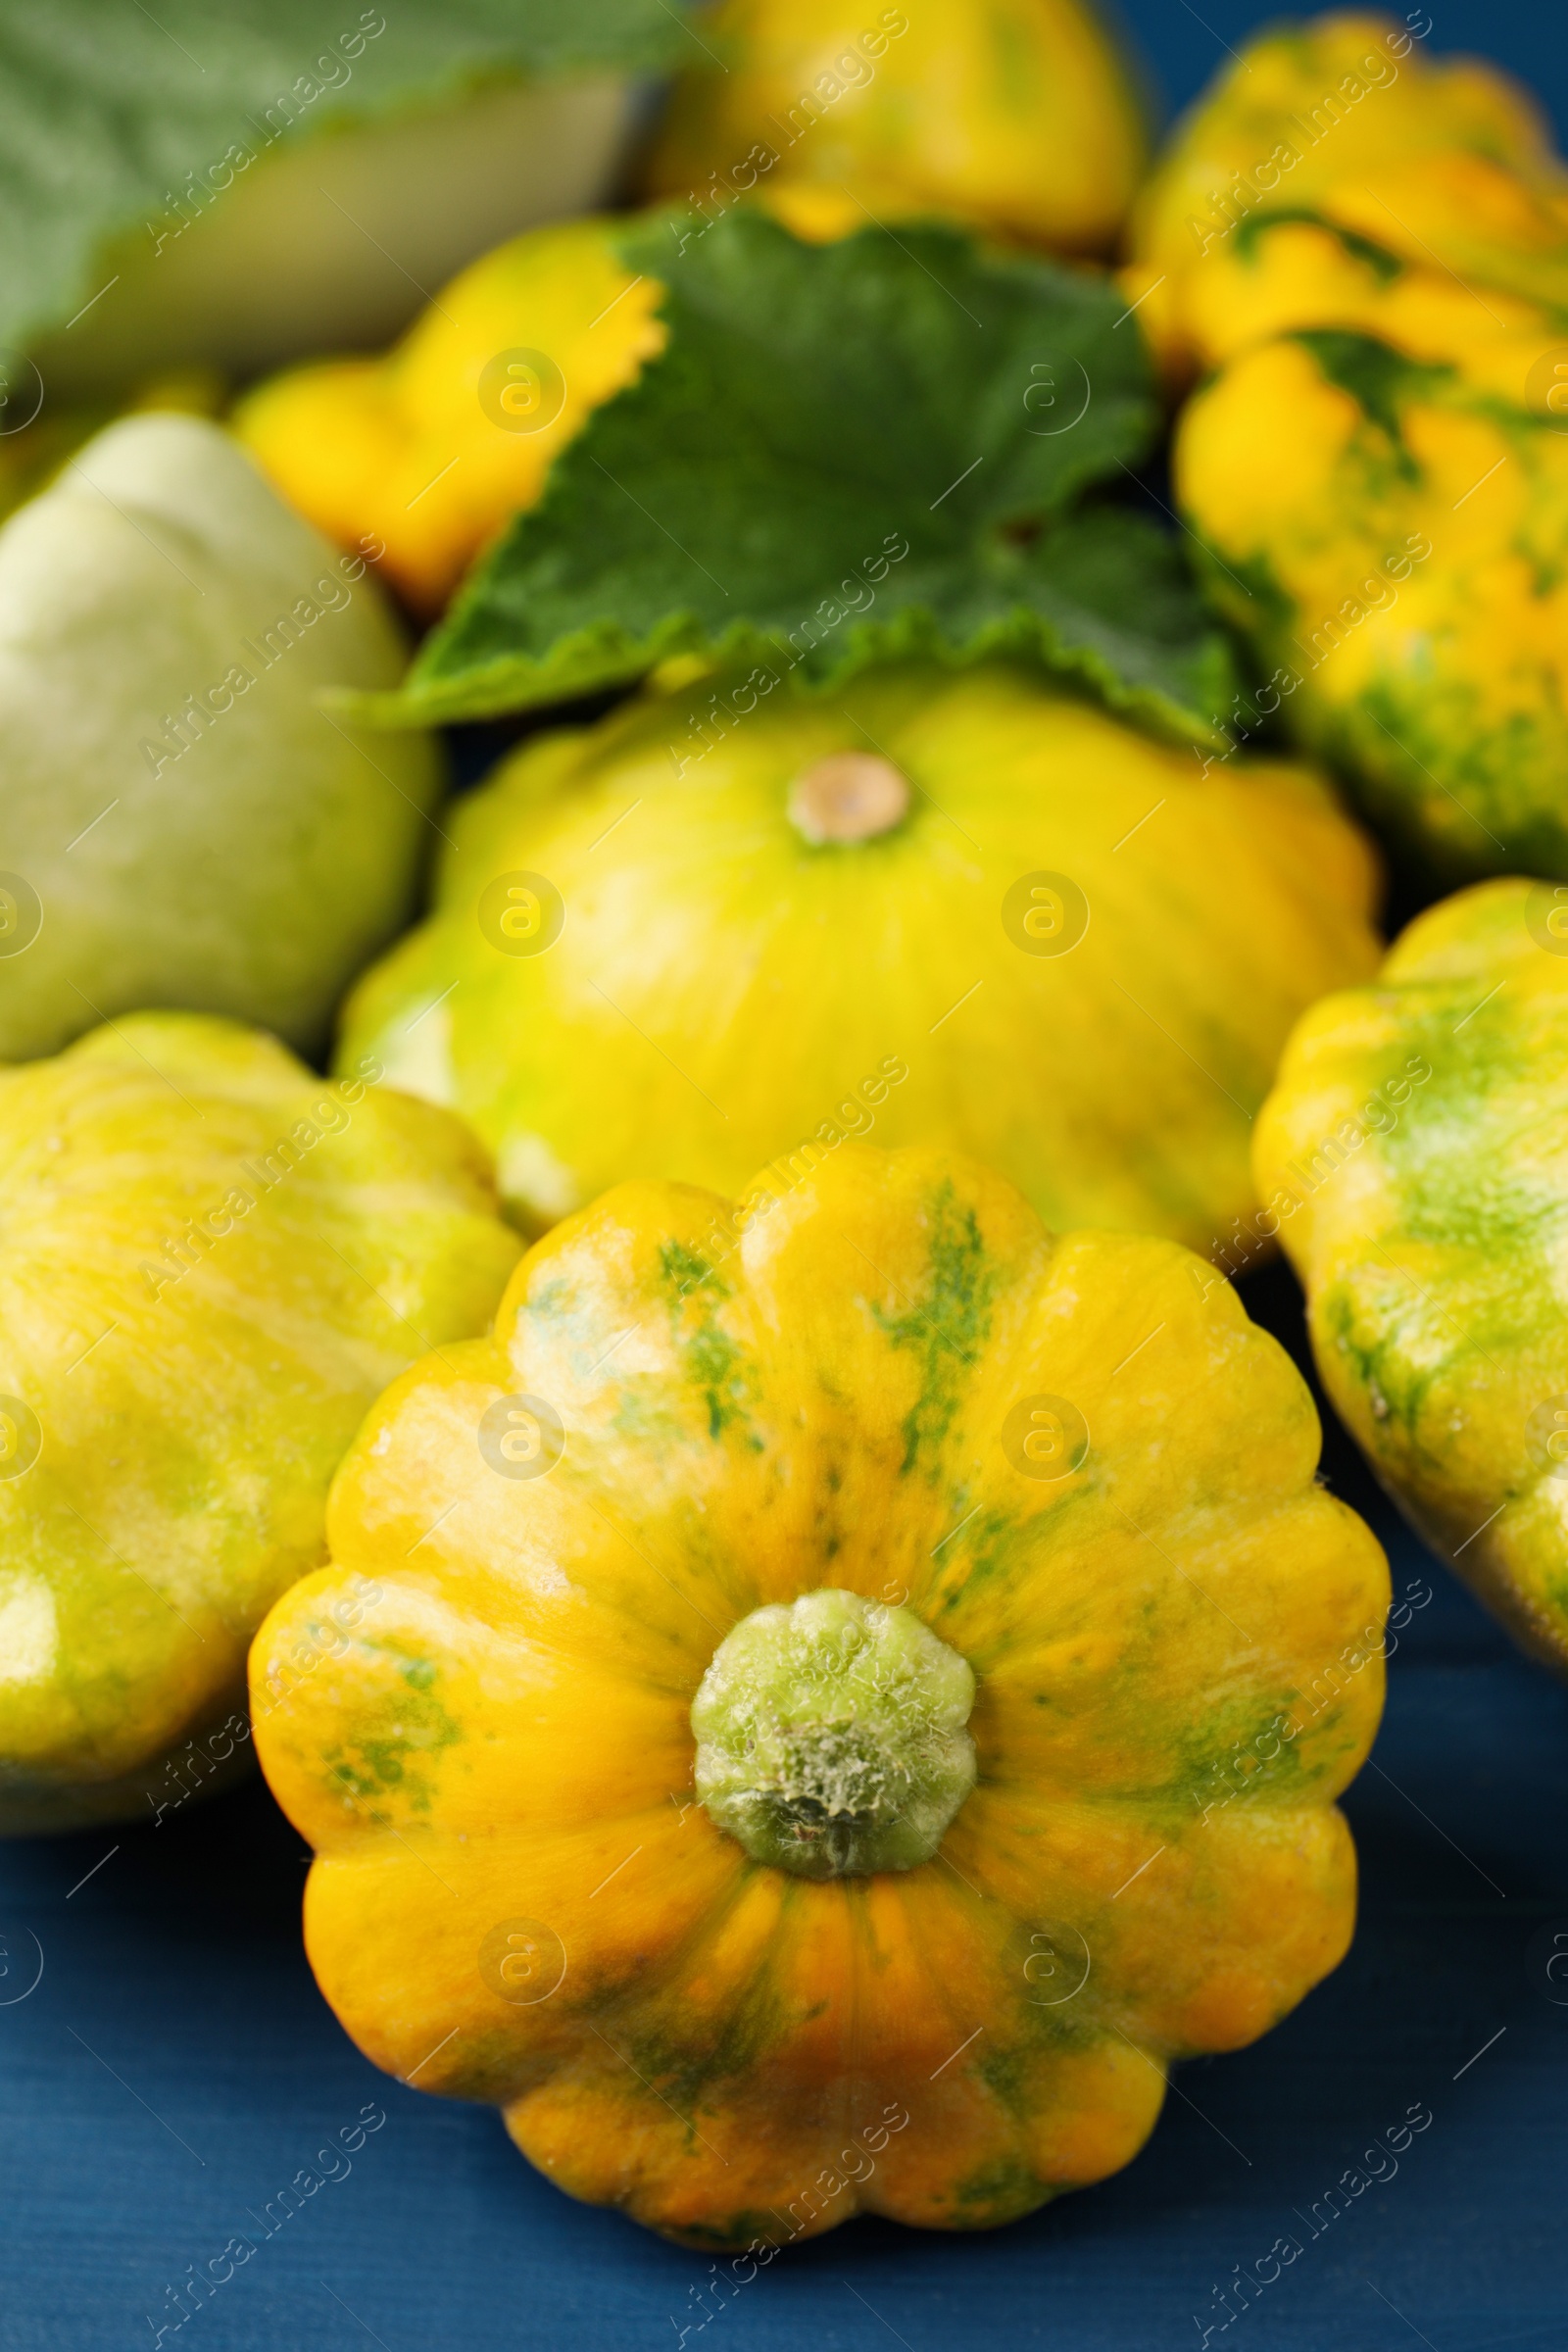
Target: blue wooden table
(174, 2069)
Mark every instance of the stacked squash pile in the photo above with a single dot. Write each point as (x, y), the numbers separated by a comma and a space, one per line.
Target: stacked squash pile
(777, 1575)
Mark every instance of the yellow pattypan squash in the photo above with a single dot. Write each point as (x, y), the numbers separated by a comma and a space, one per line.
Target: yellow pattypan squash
(819, 1709)
(1413, 1159)
(1401, 578)
(213, 1261)
(727, 924)
(1336, 175)
(1016, 116)
(1372, 251)
(418, 458)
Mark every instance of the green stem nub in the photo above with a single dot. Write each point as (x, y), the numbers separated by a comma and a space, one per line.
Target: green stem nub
(830, 1737)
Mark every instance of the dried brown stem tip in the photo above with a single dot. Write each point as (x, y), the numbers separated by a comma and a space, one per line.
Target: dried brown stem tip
(850, 796)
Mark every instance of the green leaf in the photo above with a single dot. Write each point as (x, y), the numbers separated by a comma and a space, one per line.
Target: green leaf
(106, 105)
(847, 454)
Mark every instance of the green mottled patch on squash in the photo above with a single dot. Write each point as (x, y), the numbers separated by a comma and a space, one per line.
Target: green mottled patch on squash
(394, 1736)
(715, 1361)
(947, 1328)
(1000, 2191)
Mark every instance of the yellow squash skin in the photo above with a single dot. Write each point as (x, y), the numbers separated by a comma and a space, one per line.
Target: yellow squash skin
(428, 451)
(723, 992)
(479, 1713)
(1402, 578)
(1015, 115)
(1441, 168)
(214, 1260)
(1414, 1162)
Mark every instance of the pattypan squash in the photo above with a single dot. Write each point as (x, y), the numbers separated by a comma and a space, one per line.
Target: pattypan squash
(1371, 249)
(213, 1261)
(1337, 173)
(180, 823)
(730, 923)
(423, 453)
(828, 1702)
(1413, 1160)
(1016, 116)
(1400, 578)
